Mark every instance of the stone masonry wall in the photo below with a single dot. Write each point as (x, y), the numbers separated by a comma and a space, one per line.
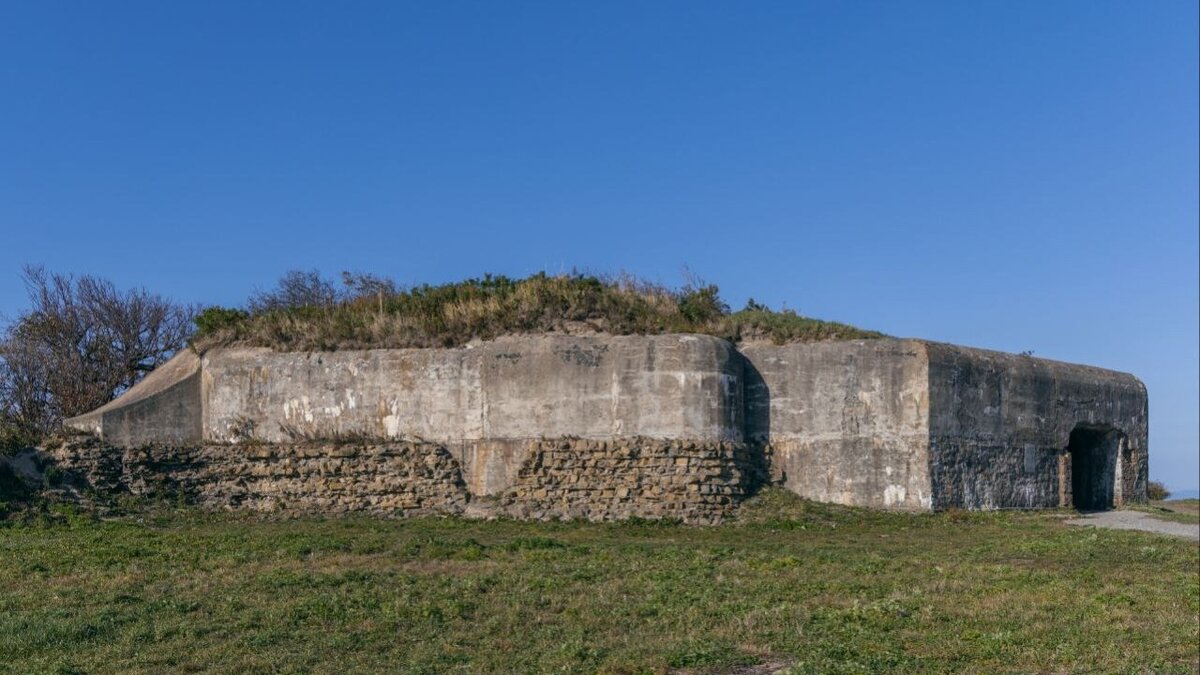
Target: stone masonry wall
(383, 478)
(699, 483)
(612, 480)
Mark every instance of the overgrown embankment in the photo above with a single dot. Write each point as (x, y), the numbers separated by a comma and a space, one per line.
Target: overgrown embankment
(309, 313)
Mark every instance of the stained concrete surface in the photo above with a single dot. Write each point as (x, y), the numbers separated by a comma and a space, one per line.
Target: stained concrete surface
(1000, 425)
(513, 388)
(848, 422)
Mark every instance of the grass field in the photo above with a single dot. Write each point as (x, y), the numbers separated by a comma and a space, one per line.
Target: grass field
(822, 588)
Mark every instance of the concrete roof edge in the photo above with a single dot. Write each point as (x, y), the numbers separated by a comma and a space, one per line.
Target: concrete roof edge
(934, 346)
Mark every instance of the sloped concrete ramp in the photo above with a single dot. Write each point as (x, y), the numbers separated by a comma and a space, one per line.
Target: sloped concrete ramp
(164, 407)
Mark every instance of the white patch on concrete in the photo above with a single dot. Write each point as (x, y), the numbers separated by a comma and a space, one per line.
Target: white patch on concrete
(391, 426)
(618, 425)
(391, 422)
(893, 495)
(301, 407)
(926, 501)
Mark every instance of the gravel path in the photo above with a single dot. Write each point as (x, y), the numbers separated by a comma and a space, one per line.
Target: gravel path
(1137, 520)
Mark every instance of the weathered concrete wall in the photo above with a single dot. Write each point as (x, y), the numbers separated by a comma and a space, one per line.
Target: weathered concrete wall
(847, 422)
(884, 423)
(483, 402)
(1000, 425)
(673, 386)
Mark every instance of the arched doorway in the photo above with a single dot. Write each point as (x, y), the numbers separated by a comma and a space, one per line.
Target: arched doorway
(1093, 453)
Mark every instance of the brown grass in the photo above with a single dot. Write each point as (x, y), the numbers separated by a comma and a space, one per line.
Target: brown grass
(480, 309)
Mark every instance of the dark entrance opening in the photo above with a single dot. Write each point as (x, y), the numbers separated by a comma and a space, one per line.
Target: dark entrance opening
(1093, 468)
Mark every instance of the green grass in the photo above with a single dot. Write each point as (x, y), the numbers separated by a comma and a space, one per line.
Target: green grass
(827, 589)
(378, 314)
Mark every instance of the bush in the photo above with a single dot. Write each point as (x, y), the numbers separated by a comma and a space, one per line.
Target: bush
(1156, 491)
(13, 438)
(11, 487)
(702, 305)
(216, 319)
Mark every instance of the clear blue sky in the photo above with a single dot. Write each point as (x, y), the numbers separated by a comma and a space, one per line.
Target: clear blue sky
(1011, 175)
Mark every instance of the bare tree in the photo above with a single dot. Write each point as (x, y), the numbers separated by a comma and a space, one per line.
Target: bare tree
(296, 289)
(81, 344)
(24, 391)
(362, 287)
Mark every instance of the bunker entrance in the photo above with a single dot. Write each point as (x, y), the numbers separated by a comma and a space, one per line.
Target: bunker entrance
(1093, 468)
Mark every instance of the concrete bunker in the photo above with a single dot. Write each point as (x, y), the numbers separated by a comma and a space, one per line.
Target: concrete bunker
(1094, 454)
(603, 426)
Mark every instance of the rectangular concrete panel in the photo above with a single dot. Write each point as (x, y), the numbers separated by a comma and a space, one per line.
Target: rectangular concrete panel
(847, 422)
(671, 386)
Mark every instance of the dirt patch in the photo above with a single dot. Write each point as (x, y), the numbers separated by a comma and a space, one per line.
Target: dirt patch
(1136, 520)
(1187, 506)
(768, 667)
